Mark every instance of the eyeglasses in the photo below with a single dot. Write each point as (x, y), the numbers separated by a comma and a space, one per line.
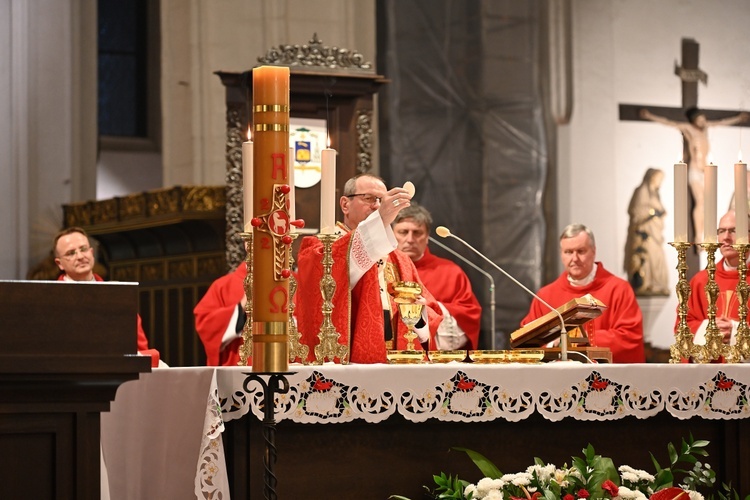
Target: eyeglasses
(367, 198)
(71, 254)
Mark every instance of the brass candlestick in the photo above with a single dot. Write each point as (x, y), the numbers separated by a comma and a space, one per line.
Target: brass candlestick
(296, 348)
(683, 346)
(714, 346)
(741, 348)
(328, 347)
(246, 349)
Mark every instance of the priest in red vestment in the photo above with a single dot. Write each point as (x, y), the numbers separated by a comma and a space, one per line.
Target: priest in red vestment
(365, 262)
(447, 282)
(74, 255)
(220, 318)
(620, 327)
(726, 278)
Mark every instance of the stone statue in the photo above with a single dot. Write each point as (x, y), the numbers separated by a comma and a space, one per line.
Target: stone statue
(645, 260)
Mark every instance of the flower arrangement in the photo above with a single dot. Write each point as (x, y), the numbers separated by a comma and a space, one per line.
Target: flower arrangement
(590, 477)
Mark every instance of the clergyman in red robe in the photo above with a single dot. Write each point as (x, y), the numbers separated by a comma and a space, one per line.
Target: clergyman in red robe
(445, 279)
(365, 262)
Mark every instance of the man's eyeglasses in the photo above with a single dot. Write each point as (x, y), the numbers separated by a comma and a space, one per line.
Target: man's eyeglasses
(71, 254)
(367, 198)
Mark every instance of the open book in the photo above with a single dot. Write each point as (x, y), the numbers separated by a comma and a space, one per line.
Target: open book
(547, 328)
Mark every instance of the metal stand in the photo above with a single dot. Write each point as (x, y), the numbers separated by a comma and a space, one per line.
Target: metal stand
(277, 384)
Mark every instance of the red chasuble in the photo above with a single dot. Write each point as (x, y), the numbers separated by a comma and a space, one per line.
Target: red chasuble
(357, 314)
(212, 315)
(142, 339)
(620, 327)
(449, 285)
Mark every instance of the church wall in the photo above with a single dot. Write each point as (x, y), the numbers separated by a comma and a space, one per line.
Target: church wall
(229, 36)
(624, 52)
(46, 120)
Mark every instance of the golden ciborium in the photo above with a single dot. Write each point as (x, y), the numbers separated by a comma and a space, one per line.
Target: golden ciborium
(405, 294)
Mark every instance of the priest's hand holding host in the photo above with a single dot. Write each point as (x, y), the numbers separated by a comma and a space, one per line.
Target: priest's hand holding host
(366, 258)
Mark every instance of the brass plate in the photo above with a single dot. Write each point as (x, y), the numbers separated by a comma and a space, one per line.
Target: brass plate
(405, 357)
(509, 356)
(447, 356)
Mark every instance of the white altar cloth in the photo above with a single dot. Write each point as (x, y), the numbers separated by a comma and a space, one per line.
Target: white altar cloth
(171, 420)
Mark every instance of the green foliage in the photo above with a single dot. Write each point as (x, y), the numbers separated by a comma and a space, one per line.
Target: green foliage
(593, 473)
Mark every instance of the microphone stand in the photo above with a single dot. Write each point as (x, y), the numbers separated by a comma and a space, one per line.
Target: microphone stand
(488, 275)
(445, 232)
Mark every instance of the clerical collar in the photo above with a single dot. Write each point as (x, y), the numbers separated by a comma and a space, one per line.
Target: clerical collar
(68, 278)
(584, 281)
(730, 267)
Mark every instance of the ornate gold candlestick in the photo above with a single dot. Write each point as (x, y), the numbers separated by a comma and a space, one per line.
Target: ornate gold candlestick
(741, 348)
(683, 346)
(714, 347)
(405, 294)
(328, 347)
(246, 349)
(296, 349)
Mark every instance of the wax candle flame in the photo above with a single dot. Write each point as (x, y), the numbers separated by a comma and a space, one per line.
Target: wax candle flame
(328, 142)
(249, 133)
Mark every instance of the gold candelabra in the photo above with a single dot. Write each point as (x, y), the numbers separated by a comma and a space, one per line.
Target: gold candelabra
(714, 346)
(246, 349)
(683, 346)
(296, 348)
(741, 348)
(328, 347)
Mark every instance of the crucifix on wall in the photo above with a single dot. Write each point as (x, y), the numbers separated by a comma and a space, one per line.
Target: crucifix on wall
(693, 123)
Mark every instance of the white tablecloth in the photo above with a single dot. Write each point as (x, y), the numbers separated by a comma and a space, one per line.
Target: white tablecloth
(170, 421)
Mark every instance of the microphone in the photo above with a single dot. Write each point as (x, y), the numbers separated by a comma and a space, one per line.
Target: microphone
(489, 276)
(444, 232)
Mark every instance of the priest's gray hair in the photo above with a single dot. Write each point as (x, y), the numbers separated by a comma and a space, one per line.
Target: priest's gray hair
(350, 187)
(416, 212)
(573, 230)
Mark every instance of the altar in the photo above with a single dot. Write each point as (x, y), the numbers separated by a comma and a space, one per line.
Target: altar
(184, 432)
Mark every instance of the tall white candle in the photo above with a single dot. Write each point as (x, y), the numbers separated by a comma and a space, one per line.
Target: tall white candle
(680, 203)
(327, 191)
(247, 182)
(292, 197)
(740, 200)
(709, 207)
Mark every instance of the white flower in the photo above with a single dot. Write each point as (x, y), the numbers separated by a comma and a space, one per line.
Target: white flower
(494, 495)
(694, 495)
(632, 475)
(626, 493)
(470, 489)
(519, 479)
(486, 485)
(544, 473)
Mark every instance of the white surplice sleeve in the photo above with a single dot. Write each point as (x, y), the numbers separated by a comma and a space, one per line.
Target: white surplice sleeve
(371, 241)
